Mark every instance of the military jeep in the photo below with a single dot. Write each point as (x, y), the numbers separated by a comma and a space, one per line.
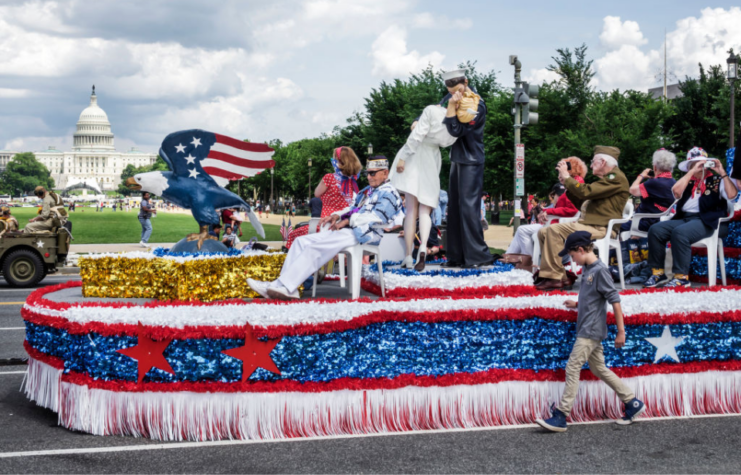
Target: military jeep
(26, 258)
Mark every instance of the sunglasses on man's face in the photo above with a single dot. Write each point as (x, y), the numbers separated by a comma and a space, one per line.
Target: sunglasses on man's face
(373, 173)
(454, 82)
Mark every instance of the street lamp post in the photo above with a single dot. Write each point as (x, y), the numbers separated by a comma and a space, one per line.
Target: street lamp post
(732, 76)
(309, 178)
(272, 203)
(370, 150)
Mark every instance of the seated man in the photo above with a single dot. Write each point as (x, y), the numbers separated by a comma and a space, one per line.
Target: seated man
(703, 195)
(599, 202)
(8, 223)
(375, 207)
(229, 237)
(52, 212)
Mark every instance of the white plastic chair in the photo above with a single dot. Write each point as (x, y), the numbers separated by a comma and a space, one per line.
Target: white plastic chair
(606, 243)
(313, 223)
(714, 245)
(636, 222)
(549, 218)
(355, 266)
(393, 246)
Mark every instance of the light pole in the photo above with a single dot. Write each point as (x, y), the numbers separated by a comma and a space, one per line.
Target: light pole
(370, 150)
(309, 179)
(272, 203)
(732, 76)
(516, 111)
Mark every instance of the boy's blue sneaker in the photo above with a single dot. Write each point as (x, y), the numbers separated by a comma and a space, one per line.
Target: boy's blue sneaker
(556, 423)
(655, 281)
(632, 410)
(674, 283)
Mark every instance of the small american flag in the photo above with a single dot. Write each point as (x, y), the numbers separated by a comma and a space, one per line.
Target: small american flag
(283, 232)
(289, 228)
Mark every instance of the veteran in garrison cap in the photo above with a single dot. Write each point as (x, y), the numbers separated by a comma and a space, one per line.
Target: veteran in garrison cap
(52, 212)
(599, 202)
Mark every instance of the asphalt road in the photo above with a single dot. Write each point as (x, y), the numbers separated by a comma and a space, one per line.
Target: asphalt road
(698, 445)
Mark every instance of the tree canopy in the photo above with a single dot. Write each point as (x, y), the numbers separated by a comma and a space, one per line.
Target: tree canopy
(23, 174)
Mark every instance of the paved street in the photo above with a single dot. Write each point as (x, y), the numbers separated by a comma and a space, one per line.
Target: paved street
(706, 445)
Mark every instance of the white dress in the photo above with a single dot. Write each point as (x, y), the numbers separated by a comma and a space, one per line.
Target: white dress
(422, 160)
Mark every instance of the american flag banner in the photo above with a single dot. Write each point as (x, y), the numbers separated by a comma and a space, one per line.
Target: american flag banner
(198, 153)
(283, 232)
(289, 228)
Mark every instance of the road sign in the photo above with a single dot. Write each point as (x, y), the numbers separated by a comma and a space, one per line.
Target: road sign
(520, 161)
(520, 187)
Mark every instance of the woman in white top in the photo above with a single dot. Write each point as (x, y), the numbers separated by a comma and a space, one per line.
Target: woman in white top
(416, 173)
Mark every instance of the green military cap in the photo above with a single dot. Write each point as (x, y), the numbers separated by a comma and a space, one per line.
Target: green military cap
(614, 152)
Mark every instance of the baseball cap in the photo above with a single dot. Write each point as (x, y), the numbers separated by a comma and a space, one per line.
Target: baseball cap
(576, 239)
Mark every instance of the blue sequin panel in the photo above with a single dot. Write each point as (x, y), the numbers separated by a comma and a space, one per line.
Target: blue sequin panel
(699, 267)
(387, 349)
(496, 268)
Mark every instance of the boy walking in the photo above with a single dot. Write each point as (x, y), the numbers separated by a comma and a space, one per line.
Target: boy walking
(597, 289)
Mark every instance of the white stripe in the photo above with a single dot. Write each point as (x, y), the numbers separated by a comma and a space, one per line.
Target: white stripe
(257, 156)
(222, 443)
(662, 303)
(13, 328)
(230, 167)
(13, 372)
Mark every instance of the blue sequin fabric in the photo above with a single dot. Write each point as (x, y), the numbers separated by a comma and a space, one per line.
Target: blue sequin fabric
(386, 350)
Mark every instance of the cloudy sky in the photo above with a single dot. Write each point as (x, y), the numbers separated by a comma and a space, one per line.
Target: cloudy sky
(291, 69)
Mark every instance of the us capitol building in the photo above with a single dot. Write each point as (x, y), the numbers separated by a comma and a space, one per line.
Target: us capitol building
(93, 160)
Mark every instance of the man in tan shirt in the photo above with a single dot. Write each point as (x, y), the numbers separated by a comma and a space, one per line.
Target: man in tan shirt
(599, 202)
(52, 208)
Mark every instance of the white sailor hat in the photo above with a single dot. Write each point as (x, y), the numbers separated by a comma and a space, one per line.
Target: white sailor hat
(457, 73)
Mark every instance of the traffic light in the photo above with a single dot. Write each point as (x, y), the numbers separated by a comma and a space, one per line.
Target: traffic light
(529, 103)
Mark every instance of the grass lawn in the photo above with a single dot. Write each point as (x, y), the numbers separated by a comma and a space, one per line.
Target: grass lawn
(90, 227)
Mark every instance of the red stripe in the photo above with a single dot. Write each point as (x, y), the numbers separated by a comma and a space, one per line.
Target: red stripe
(249, 146)
(224, 173)
(491, 376)
(242, 162)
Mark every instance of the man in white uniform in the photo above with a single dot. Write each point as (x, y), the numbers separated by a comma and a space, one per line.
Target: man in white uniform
(376, 206)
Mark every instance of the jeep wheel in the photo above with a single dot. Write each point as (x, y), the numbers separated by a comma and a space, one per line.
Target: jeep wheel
(23, 269)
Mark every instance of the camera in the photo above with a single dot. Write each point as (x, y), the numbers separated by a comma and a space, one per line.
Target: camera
(651, 174)
(709, 164)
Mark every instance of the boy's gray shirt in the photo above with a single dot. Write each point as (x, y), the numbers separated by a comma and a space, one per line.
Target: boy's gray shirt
(597, 289)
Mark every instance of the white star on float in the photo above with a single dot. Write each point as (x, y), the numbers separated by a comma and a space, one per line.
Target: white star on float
(193, 173)
(39, 244)
(196, 142)
(190, 159)
(666, 345)
(180, 148)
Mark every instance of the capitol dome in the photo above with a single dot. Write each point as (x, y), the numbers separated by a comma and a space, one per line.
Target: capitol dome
(93, 128)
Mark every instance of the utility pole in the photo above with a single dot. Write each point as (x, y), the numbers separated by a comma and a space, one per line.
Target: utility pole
(518, 125)
(525, 107)
(732, 76)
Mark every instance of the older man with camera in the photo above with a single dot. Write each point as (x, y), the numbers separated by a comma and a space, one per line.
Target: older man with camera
(599, 202)
(703, 194)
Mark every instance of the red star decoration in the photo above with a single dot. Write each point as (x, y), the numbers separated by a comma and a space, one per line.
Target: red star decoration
(148, 354)
(254, 354)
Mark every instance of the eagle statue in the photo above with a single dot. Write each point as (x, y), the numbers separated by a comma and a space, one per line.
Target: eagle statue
(201, 164)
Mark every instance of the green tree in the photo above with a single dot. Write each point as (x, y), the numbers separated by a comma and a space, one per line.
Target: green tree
(23, 174)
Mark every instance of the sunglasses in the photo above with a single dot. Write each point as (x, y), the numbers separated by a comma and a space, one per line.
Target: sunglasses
(373, 173)
(454, 82)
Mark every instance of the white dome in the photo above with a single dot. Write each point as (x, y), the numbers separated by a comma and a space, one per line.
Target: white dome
(93, 128)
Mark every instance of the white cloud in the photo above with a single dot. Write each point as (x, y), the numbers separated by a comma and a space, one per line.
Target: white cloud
(703, 40)
(8, 93)
(428, 20)
(392, 59)
(616, 33)
(540, 76)
(39, 143)
(627, 68)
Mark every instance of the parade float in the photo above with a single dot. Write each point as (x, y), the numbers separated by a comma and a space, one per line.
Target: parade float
(161, 346)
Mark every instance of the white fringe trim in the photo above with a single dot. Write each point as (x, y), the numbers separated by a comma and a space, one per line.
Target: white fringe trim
(215, 416)
(422, 281)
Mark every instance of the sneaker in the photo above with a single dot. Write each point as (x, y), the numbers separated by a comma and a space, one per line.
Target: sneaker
(259, 287)
(276, 290)
(655, 281)
(632, 410)
(674, 283)
(143, 244)
(556, 423)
